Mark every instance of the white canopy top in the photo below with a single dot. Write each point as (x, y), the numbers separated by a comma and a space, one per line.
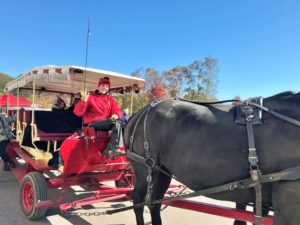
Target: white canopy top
(71, 79)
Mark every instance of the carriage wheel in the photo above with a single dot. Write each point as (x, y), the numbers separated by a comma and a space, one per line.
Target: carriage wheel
(127, 181)
(33, 189)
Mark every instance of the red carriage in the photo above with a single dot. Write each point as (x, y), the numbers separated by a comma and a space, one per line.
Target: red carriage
(51, 140)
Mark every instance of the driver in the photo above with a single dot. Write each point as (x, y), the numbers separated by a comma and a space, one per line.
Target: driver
(101, 111)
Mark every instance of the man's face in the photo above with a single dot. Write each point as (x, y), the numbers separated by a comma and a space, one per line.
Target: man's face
(103, 88)
(61, 105)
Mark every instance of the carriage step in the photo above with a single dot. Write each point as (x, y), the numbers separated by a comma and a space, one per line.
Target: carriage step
(37, 164)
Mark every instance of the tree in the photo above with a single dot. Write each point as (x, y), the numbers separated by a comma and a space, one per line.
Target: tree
(157, 92)
(196, 81)
(4, 79)
(174, 80)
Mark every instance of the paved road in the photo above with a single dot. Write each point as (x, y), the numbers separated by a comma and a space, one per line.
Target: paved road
(10, 213)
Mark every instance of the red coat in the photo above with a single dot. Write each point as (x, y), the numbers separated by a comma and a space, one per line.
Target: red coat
(97, 107)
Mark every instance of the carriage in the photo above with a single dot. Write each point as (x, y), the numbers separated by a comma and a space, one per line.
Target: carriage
(56, 141)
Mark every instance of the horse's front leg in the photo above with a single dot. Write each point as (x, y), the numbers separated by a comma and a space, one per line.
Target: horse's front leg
(161, 184)
(139, 192)
(138, 198)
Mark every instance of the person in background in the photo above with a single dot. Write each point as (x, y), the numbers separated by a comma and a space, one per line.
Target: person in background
(125, 116)
(6, 135)
(59, 105)
(75, 100)
(101, 111)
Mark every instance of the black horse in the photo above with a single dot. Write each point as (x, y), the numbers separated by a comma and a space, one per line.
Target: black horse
(203, 147)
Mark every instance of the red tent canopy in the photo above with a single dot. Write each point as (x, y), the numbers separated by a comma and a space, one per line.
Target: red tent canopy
(11, 100)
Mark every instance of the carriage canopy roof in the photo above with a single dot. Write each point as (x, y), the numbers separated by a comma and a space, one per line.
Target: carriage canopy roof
(71, 79)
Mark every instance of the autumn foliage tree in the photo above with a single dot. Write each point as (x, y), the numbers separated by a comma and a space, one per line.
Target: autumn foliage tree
(195, 81)
(157, 92)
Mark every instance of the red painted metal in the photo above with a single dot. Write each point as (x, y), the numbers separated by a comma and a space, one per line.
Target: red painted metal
(92, 200)
(45, 204)
(218, 211)
(104, 193)
(80, 179)
(85, 155)
(27, 197)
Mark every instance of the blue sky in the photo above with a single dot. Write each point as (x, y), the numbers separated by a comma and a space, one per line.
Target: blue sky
(257, 42)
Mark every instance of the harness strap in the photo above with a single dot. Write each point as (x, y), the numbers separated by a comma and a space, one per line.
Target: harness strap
(279, 115)
(207, 103)
(134, 129)
(258, 206)
(287, 174)
(142, 160)
(253, 160)
(149, 161)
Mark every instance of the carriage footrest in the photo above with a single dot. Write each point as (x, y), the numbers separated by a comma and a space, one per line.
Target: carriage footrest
(38, 164)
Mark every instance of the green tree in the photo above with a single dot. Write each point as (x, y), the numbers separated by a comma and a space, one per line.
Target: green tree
(196, 81)
(4, 79)
(174, 80)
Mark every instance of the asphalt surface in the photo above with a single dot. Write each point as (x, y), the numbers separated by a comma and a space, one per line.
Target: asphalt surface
(10, 213)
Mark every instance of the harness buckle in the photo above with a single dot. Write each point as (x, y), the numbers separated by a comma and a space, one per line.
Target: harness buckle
(146, 145)
(149, 162)
(232, 187)
(149, 178)
(153, 104)
(131, 139)
(253, 160)
(255, 175)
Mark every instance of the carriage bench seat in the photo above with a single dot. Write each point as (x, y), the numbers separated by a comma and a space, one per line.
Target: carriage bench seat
(43, 136)
(94, 134)
(50, 126)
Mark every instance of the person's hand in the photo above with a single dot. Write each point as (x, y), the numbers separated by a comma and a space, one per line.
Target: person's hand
(84, 95)
(114, 117)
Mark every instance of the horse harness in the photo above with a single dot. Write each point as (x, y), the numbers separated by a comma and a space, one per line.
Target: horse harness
(249, 113)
